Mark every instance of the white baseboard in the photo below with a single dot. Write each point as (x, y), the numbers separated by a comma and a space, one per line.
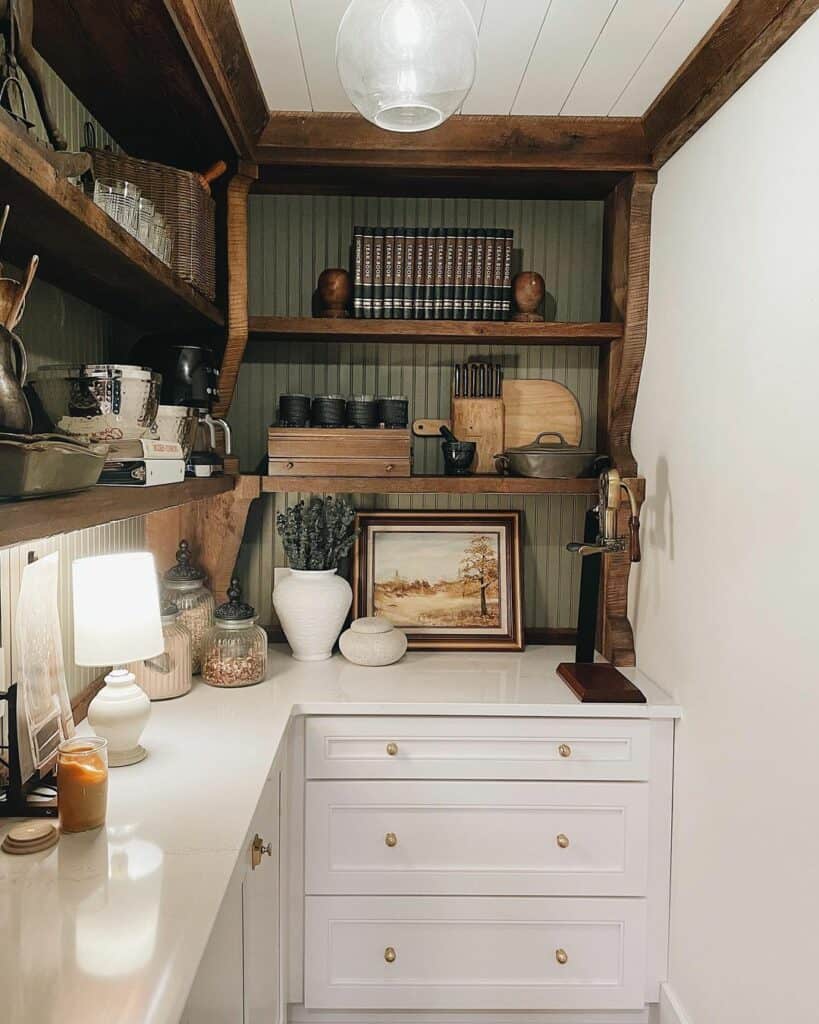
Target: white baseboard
(671, 1011)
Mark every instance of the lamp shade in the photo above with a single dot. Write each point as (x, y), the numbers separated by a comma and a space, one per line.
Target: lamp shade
(407, 65)
(116, 609)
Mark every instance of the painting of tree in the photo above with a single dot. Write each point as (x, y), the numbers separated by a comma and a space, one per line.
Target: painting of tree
(479, 567)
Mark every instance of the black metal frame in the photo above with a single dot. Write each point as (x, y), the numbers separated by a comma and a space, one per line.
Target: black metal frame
(17, 792)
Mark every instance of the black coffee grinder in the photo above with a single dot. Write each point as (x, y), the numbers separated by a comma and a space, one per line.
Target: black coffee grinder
(190, 377)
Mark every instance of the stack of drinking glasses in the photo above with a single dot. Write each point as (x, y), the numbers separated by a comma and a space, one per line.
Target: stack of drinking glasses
(124, 202)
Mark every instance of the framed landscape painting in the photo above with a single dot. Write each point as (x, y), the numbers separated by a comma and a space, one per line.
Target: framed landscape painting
(449, 580)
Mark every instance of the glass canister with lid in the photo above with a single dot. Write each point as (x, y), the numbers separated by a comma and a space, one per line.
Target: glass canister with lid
(184, 584)
(169, 674)
(235, 649)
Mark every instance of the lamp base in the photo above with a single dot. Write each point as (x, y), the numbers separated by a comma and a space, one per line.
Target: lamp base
(119, 713)
(599, 683)
(121, 758)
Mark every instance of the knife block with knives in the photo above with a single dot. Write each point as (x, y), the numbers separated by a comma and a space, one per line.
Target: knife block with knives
(477, 412)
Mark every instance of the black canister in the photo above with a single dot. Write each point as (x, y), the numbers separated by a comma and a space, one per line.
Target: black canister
(294, 410)
(362, 411)
(393, 411)
(329, 411)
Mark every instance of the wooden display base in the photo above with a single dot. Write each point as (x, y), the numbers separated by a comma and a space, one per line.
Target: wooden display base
(599, 684)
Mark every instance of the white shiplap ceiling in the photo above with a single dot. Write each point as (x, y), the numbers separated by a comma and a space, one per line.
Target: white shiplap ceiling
(572, 57)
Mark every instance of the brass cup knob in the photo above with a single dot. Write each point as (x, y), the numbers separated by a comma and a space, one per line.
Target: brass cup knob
(389, 955)
(392, 749)
(563, 841)
(391, 839)
(561, 956)
(564, 750)
(389, 467)
(290, 465)
(258, 849)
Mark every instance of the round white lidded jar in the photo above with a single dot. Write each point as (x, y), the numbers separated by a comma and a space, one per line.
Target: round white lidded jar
(373, 641)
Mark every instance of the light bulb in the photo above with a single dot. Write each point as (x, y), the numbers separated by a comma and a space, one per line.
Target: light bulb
(407, 65)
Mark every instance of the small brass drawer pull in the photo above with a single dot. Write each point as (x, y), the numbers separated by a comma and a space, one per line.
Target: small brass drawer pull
(563, 841)
(392, 749)
(389, 467)
(391, 839)
(561, 956)
(564, 750)
(389, 955)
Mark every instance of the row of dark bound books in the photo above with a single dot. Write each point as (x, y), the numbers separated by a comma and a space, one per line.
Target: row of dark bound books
(432, 273)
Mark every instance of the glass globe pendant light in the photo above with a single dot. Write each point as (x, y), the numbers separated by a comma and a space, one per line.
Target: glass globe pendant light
(407, 65)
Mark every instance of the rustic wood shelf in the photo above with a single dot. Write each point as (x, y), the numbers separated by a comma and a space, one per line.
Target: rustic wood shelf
(22, 521)
(83, 250)
(279, 328)
(488, 484)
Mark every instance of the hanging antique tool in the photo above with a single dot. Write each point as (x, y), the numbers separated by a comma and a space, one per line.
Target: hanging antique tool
(600, 682)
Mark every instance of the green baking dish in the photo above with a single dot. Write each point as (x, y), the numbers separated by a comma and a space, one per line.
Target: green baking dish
(36, 465)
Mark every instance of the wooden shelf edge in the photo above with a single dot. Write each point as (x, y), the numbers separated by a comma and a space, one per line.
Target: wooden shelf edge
(23, 521)
(83, 250)
(275, 328)
(425, 485)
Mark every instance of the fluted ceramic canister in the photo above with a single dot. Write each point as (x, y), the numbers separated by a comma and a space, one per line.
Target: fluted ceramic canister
(373, 641)
(311, 606)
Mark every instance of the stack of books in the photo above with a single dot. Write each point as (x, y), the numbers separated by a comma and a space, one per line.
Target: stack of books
(432, 273)
(143, 463)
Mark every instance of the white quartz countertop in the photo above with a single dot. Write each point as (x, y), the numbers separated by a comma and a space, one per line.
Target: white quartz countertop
(112, 925)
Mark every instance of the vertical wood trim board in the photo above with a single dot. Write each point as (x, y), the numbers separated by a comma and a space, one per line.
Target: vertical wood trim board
(291, 239)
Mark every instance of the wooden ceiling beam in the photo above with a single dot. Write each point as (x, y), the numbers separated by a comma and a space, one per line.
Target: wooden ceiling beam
(171, 80)
(465, 143)
(737, 45)
(214, 40)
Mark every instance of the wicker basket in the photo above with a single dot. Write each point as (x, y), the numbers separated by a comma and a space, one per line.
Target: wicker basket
(187, 208)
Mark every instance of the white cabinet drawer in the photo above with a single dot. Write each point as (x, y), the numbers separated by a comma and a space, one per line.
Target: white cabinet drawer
(476, 838)
(477, 748)
(469, 954)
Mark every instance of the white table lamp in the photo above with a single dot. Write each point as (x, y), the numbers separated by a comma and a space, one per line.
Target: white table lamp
(116, 621)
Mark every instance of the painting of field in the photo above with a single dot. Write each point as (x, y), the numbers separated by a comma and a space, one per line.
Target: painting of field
(446, 580)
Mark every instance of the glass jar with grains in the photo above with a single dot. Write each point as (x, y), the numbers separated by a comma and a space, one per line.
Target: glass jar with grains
(235, 648)
(169, 674)
(185, 586)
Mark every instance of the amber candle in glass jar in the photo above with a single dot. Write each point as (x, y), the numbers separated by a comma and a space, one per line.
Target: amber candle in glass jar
(82, 783)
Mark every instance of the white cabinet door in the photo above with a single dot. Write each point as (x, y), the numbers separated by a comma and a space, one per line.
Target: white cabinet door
(261, 910)
(217, 994)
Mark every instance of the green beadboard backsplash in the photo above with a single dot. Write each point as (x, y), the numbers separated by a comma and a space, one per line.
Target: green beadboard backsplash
(292, 239)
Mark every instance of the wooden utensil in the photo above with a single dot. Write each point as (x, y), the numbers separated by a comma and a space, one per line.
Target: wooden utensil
(16, 311)
(532, 406)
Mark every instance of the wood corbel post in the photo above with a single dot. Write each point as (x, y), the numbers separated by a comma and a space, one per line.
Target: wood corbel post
(237, 316)
(214, 527)
(627, 244)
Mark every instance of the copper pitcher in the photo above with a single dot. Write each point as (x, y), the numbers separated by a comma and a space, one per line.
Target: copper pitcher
(15, 414)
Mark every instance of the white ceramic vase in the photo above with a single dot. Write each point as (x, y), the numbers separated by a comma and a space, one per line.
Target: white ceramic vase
(311, 607)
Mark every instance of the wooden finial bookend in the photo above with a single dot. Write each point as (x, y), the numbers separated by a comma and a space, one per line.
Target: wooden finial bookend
(529, 290)
(599, 683)
(334, 293)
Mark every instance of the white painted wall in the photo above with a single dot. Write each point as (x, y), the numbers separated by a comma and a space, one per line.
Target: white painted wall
(727, 598)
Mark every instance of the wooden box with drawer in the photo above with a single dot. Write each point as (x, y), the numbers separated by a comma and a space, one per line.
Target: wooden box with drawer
(317, 451)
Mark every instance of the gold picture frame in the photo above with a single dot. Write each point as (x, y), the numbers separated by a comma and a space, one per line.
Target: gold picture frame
(451, 580)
